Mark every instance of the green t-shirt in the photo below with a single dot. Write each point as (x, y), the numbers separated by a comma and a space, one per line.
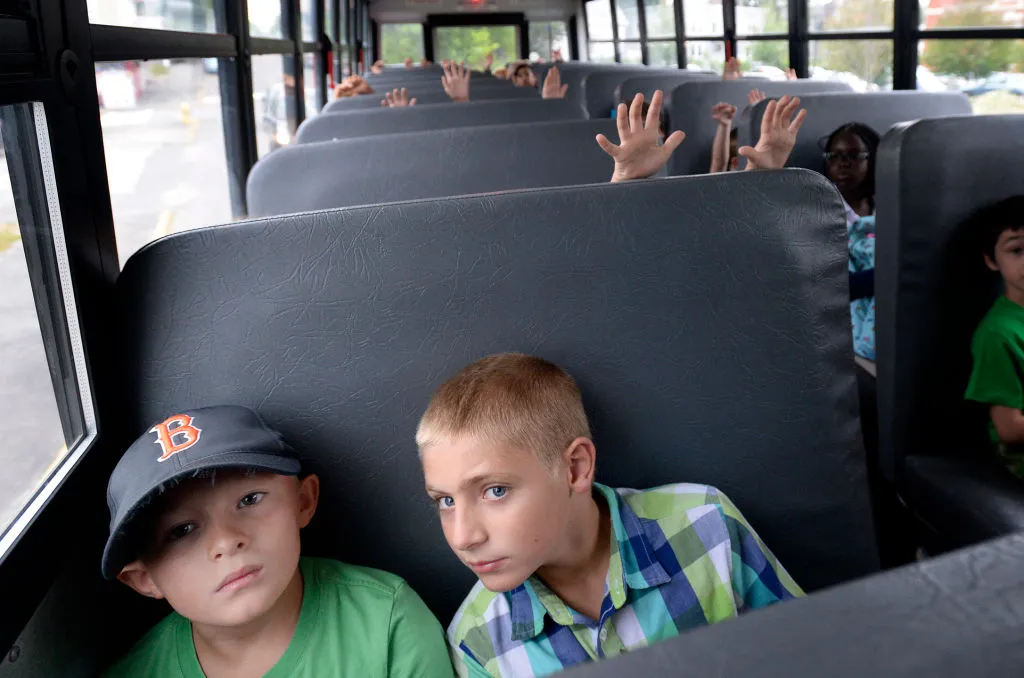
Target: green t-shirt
(354, 621)
(998, 374)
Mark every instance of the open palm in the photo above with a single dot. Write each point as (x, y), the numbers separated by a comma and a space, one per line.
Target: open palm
(638, 155)
(779, 129)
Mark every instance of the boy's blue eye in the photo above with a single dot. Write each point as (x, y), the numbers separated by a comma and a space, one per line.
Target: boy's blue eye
(180, 531)
(445, 502)
(496, 492)
(252, 499)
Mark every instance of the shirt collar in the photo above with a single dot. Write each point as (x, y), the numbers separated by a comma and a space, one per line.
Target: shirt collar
(633, 564)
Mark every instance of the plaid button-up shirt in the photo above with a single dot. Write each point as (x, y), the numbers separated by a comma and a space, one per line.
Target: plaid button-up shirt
(682, 556)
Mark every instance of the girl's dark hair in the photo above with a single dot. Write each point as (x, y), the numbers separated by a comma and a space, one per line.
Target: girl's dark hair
(871, 140)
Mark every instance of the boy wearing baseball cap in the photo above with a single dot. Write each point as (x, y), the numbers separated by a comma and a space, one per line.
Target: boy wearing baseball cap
(206, 509)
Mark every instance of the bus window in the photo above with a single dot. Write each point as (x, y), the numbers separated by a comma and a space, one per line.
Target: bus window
(627, 16)
(865, 65)
(662, 54)
(265, 19)
(661, 19)
(398, 41)
(762, 17)
(769, 58)
(602, 52)
(32, 274)
(987, 71)
(272, 93)
(629, 53)
(195, 16)
(308, 20)
(850, 15)
(599, 19)
(708, 55)
(548, 37)
(164, 149)
(703, 19)
(471, 44)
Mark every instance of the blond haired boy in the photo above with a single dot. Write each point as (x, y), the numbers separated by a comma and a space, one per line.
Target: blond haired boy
(571, 570)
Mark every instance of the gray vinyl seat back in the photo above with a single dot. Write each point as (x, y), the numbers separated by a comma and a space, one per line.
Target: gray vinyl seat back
(430, 164)
(877, 110)
(356, 124)
(690, 111)
(368, 101)
(599, 88)
(573, 73)
(932, 287)
(711, 345)
(647, 84)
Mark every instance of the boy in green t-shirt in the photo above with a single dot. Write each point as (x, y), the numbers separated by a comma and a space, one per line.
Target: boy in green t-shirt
(997, 379)
(206, 509)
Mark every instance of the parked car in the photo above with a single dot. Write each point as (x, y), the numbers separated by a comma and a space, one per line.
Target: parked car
(999, 82)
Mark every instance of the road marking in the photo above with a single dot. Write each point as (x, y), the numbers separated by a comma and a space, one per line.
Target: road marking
(164, 224)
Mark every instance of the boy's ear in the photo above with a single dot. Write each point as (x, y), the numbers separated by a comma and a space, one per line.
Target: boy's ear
(136, 576)
(309, 496)
(581, 459)
(992, 265)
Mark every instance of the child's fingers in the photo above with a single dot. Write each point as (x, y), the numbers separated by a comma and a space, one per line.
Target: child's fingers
(622, 122)
(636, 111)
(673, 141)
(798, 122)
(654, 110)
(607, 146)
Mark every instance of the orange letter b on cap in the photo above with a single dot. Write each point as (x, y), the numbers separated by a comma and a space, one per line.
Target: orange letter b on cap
(179, 426)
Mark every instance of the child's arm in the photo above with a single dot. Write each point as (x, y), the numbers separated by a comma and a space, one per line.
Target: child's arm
(417, 644)
(1009, 424)
(638, 154)
(723, 114)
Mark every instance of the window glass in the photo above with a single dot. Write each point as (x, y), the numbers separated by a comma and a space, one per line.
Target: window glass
(329, 20)
(273, 102)
(34, 441)
(971, 14)
(628, 16)
(195, 16)
(471, 44)
(307, 9)
(164, 144)
(703, 18)
(548, 39)
(265, 19)
(602, 52)
(866, 65)
(662, 54)
(705, 55)
(988, 71)
(599, 19)
(769, 58)
(661, 19)
(398, 41)
(629, 53)
(761, 17)
(850, 15)
(310, 84)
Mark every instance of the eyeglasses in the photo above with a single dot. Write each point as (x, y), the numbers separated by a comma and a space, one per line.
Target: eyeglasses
(839, 156)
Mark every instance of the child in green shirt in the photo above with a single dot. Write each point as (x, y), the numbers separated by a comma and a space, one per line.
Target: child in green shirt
(998, 343)
(206, 509)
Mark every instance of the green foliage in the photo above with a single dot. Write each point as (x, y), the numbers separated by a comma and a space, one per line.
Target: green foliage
(971, 58)
(471, 45)
(870, 60)
(772, 52)
(398, 41)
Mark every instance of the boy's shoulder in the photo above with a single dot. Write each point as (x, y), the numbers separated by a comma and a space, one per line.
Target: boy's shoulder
(355, 579)
(156, 654)
(677, 499)
(1004, 320)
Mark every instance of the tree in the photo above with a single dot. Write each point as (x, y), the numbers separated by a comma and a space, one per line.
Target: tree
(870, 60)
(772, 52)
(970, 58)
(398, 41)
(473, 44)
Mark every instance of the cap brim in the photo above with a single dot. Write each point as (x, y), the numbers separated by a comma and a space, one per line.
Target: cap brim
(122, 547)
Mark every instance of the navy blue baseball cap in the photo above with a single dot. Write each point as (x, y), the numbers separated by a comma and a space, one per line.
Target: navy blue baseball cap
(182, 446)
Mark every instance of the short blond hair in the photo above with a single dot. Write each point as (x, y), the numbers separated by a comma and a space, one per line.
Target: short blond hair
(508, 398)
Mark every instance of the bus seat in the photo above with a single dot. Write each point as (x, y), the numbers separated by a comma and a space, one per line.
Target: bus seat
(878, 110)
(598, 88)
(432, 164)
(648, 84)
(932, 290)
(711, 345)
(690, 111)
(358, 124)
(432, 95)
(959, 615)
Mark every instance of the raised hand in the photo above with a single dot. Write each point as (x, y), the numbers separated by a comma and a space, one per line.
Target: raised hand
(755, 96)
(791, 74)
(639, 154)
(731, 70)
(397, 98)
(553, 87)
(488, 61)
(455, 81)
(723, 113)
(779, 128)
